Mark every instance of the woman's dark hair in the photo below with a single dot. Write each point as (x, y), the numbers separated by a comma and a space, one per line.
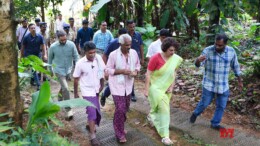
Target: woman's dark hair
(168, 42)
(89, 46)
(222, 37)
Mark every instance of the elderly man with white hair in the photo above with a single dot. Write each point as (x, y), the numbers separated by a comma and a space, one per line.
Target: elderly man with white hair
(122, 66)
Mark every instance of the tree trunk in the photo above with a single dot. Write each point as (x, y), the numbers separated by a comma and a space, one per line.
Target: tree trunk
(42, 10)
(155, 15)
(10, 100)
(140, 12)
(193, 29)
(213, 23)
(258, 19)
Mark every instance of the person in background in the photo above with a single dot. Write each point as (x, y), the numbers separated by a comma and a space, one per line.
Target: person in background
(37, 23)
(73, 29)
(159, 85)
(122, 66)
(33, 44)
(70, 35)
(43, 26)
(137, 45)
(60, 56)
(91, 66)
(155, 47)
(218, 60)
(102, 38)
(59, 23)
(113, 45)
(45, 35)
(21, 32)
(84, 34)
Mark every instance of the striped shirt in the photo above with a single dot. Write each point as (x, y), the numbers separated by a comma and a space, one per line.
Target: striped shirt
(101, 39)
(217, 67)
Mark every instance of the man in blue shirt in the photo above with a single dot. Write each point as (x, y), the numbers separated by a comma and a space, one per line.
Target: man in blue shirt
(84, 34)
(33, 44)
(102, 38)
(218, 59)
(137, 44)
(112, 46)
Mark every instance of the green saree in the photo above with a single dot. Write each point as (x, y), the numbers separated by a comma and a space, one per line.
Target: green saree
(159, 100)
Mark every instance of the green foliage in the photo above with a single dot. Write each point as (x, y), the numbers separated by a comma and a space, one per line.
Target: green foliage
(190, 7)
(29, 63)
(148, 35)
(41, 107)
(30, 8)
(164, 18)
(256, 66)
(25, 8)
(39, 130)
(251, 6)
(192, 48)
(102, 14)
(173, 7)
(99, 4)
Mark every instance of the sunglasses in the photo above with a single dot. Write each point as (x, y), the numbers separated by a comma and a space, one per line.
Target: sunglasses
(66, 27)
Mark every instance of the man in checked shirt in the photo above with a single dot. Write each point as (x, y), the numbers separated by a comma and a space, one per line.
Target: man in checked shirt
(217, 60)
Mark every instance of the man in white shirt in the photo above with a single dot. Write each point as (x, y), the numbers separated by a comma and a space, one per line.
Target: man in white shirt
(21, 32)
(89, 72)
(37, 23)
(59, 23)
(73, 29)
(155, 47)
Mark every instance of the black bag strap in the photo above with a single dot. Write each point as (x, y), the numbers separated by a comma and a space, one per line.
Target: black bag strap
(24, 34)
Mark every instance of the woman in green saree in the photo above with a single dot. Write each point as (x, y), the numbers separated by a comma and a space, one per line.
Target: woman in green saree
(159, 85)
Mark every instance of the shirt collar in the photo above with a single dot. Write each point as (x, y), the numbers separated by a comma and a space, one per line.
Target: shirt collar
(133, 34)
(121, 53)
(33, 36)
(225, 50)
(86, 60)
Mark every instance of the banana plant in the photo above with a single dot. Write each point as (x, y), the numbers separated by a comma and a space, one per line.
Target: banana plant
(43, 108)
(148, 35)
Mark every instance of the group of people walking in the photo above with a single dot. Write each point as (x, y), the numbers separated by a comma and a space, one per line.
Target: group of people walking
(99, 57)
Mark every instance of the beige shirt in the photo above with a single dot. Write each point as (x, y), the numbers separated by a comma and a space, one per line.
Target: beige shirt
(71, 36)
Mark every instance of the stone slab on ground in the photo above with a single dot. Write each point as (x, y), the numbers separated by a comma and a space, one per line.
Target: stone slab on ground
(201, 128)
(105, 132)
